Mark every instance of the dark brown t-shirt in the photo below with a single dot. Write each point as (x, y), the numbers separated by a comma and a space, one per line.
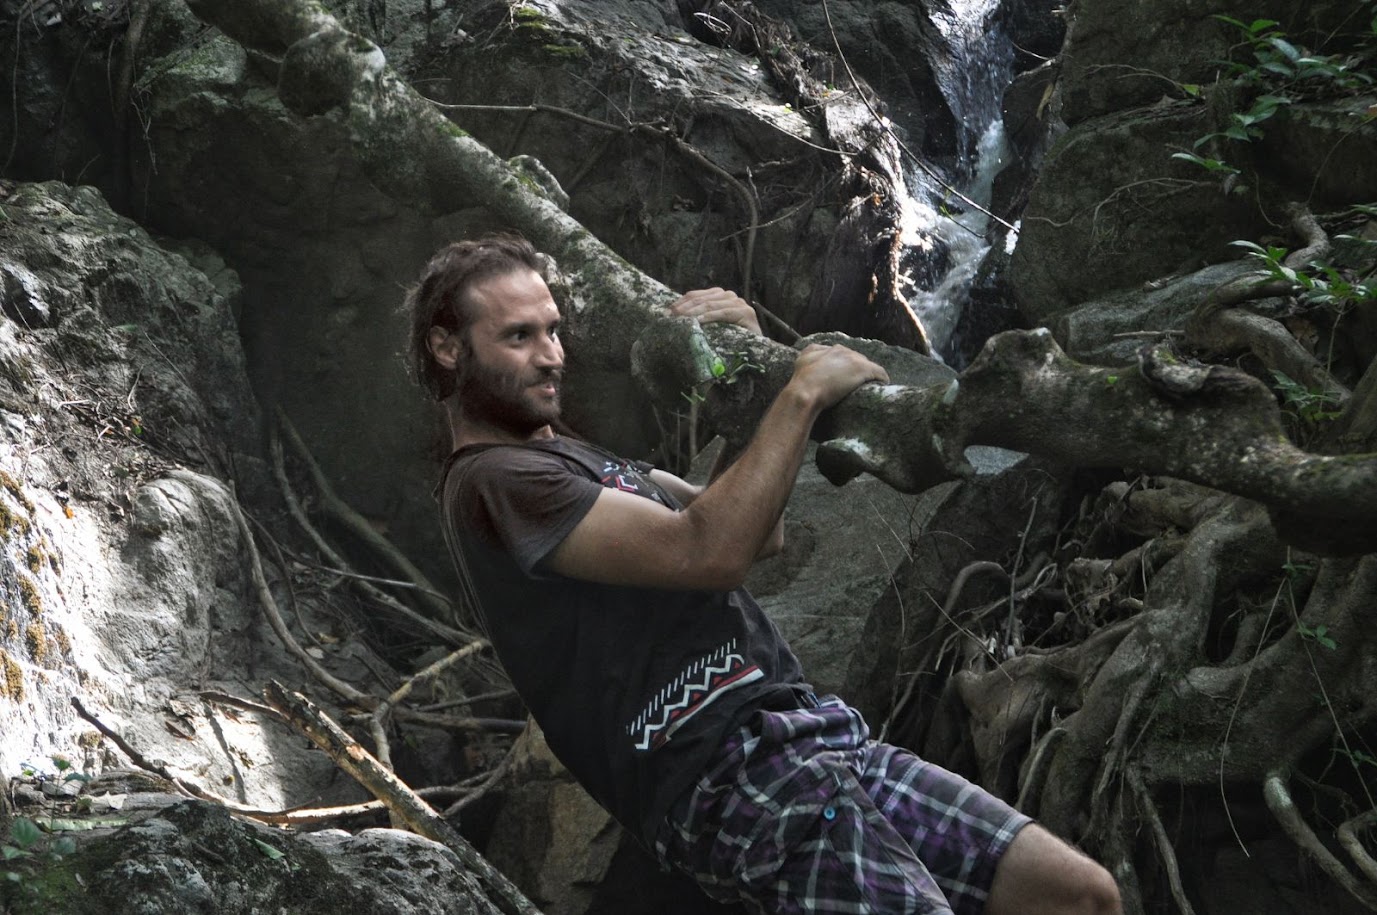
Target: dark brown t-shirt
(633, 687)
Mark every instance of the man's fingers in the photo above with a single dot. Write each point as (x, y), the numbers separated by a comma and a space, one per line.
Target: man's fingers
(716, 305)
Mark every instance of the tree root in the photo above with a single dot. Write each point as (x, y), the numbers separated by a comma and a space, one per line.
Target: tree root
(1218, 325)
(444, 633)
(1348, 833)
(1279, 801)
(1165, 852)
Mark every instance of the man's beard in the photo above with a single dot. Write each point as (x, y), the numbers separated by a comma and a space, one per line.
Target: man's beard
(504, 400)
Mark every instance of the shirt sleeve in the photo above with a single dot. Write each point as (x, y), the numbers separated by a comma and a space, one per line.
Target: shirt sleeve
(525, 502)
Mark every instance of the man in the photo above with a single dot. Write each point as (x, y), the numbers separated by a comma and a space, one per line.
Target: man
(612, 594)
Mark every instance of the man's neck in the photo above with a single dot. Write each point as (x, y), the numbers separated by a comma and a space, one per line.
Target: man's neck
(467, 430)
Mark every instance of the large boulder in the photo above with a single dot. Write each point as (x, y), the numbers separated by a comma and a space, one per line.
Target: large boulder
(158, 855)
(124, 408)
(1111, 208)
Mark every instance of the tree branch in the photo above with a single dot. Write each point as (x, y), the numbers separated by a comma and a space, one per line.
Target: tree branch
(419, 816)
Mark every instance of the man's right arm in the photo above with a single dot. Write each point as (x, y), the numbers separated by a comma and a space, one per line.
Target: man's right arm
(628, 540)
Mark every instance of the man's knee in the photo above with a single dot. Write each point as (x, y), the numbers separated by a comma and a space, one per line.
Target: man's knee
(1042, 874)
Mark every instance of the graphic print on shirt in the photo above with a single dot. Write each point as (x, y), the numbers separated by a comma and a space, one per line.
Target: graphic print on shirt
(694, 689)
(621, 475)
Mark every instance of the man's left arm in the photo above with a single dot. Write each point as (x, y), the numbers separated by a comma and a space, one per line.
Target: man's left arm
(686, 492)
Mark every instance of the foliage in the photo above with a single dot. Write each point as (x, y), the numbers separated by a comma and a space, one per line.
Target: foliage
(1308, 405)
(1280, 72)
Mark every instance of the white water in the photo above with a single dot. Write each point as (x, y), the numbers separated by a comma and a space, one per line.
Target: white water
(944, 237)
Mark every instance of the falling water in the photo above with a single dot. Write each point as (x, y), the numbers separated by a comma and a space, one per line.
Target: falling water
(944, 236)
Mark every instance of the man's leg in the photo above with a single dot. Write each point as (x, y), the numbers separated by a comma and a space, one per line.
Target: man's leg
(1040, 874)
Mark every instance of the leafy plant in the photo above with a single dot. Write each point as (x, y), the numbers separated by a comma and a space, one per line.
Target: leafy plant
(1311, 406)
(1319, 635)
(1281, 71)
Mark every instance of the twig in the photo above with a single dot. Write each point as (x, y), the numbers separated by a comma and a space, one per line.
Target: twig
(445, 633)
(468, 700)
(1164, 846)
(484, 786)
(419, 816)
(378, 724)
(187, 788)
(1279, 801)
(265, 598)
(292, 603)
(214, 695)
(343, 513)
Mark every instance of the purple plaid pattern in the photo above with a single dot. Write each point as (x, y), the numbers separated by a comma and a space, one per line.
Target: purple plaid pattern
(800, 812)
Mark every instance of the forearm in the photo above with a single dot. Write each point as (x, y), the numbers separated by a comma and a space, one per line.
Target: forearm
(736, 516)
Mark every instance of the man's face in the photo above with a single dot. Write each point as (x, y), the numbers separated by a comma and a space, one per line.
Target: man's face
(510, 375)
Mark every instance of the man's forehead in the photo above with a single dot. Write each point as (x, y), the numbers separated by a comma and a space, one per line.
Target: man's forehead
(510, 296)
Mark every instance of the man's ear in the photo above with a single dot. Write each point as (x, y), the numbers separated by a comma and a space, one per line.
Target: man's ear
(445, 346)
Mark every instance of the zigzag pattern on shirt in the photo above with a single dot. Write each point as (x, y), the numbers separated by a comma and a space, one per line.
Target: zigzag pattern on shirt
(694, 689)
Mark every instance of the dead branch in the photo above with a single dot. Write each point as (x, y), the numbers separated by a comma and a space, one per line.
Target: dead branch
(378, 722)
(445, 633)
(1279, 801)
(419, 816)
(190, 789)
(342, 512)
(269, 604)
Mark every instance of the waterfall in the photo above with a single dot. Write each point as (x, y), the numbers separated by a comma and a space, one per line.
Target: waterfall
(944, 238)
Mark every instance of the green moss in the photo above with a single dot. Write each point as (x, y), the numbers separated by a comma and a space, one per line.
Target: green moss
(566, 51)
(36, 638)
(530, 17)
(11, 484)
(63, 643)
(11, 678)
(35, 559)
(28, 593)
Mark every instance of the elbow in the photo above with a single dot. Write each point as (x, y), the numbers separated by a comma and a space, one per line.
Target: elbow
(723, 573)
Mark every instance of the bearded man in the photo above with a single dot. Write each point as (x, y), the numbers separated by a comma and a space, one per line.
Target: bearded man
(612, 593)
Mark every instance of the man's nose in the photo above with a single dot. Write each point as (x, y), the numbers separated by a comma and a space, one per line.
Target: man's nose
(551, 355)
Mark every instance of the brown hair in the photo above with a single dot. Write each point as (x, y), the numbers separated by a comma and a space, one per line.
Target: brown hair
(441, 298)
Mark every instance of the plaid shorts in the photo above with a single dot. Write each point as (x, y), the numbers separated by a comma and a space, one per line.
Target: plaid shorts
(800, 812)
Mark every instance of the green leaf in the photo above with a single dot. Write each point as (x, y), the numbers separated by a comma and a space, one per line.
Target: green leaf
(1290, 51)
(25, 832)
(9, 852)
(64, 846)
(269, 851)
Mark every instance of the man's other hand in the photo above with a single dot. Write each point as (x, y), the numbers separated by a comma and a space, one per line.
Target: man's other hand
(718, 306)
(826, 374)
